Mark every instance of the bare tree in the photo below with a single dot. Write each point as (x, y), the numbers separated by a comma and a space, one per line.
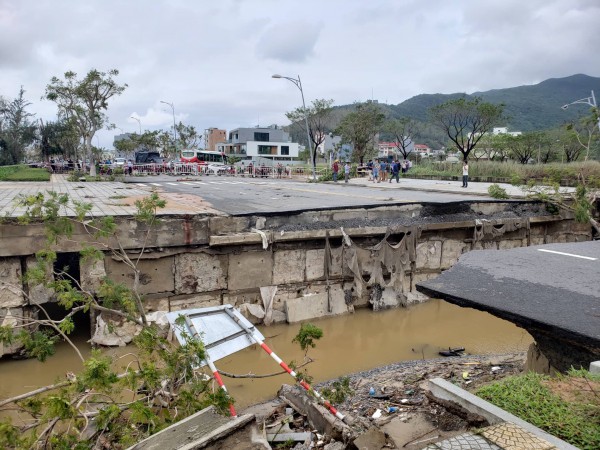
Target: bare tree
(466, 122)
(318, 116)
(403, 132)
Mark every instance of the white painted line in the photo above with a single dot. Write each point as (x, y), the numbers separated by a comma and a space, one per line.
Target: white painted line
(198, 182)
(172, 184)
(155, 184)
(140, 184)
(185, 182)
(567, 254)
(214, 182)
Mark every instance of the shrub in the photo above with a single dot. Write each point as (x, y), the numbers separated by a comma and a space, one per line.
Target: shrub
(531, 397)
(496, 191)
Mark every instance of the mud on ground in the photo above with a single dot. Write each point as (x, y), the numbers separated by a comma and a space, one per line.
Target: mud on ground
(394, 404)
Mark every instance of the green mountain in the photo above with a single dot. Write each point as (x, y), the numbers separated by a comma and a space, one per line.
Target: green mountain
(528, 108)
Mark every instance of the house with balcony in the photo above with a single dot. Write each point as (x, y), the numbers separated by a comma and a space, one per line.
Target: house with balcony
(271, 143)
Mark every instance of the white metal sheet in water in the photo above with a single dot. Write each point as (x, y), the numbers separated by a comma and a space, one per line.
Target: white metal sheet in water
(220, 334)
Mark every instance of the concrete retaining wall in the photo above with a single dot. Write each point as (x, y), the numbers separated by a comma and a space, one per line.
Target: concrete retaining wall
(219, 260)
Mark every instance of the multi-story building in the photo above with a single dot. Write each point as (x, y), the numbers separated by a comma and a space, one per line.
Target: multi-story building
(422, 150)
(254, 143)
(390, 150)
(214, 136)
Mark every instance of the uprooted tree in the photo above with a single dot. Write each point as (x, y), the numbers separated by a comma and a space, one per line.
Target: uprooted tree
(110, 403)
(582, 202)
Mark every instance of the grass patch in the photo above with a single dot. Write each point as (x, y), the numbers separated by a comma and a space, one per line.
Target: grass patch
(511, 172)
(23, 173)
(567, 407)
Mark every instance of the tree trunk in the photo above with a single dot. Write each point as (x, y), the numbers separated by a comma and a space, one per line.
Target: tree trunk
(88, 155)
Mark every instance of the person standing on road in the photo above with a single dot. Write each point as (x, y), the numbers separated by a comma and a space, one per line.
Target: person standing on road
(395, 171)
(465, 173)
(370, 169)
(375, 171)
(335, 168)
(382, 170)
(347, 172)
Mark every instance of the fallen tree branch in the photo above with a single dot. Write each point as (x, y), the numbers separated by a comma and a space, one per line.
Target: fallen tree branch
(251, 375)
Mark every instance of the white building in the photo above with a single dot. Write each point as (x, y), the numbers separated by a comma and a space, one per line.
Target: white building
(253, 143)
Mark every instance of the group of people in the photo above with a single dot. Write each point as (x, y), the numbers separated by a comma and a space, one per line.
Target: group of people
(335, 168)
(380, 170)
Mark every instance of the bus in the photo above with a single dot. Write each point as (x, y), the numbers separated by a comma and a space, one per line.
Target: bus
(203, 157)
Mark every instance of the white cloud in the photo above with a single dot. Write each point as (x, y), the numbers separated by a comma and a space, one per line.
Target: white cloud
(214, 60)
(289, 41)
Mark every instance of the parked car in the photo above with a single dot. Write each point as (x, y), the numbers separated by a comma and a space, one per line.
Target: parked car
(148, 157)
(119, 163)
(216, 169)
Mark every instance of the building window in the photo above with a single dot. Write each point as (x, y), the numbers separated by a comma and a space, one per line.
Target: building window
(261, 137)
(264, 149)
(285, 149)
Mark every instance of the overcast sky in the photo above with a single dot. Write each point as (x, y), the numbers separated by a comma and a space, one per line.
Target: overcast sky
(214, 59)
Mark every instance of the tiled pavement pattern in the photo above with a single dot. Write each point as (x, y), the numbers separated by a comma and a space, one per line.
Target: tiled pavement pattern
(512, 437)
(466, 441)
(507, 436)
(110, 198)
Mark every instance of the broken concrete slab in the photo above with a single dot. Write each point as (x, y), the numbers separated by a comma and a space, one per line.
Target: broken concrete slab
(373, 439)
(319, 417)
(199, 430)
(316, 305)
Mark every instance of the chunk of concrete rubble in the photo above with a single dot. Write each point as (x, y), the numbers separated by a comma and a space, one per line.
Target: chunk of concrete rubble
(318, 416)
(120, 332)
(373, 439)
(254, 313)
(334, 446)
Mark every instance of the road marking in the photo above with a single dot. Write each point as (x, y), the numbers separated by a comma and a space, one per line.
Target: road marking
(198, 182)
(172, 184)
(187, 183)
(155, 184)
(567, 254)
(214, 182)
(141, 184)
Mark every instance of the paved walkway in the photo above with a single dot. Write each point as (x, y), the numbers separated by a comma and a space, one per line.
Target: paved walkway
(118, 198)
(503, 436)
(455, 187)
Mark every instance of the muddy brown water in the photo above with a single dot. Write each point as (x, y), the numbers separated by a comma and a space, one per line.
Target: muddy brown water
(351, 343)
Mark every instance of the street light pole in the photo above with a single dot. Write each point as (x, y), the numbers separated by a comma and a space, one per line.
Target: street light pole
(174, 126)
(586, 101)
(298, 84)
(139, 123)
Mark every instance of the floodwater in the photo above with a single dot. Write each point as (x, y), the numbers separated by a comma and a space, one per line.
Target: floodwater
(351, 343)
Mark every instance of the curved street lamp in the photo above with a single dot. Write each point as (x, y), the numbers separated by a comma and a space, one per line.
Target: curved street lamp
(174, 126)
(586, 101)
(298, 84)
(139, 123)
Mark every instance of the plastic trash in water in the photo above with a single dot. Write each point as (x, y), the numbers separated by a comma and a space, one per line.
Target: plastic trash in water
(376, 414)
(372, 391)
(392, 409)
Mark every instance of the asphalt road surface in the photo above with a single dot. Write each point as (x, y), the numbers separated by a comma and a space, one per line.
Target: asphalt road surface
(252, 195)
(554, 287)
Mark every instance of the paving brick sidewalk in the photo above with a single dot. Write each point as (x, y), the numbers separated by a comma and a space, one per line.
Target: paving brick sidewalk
(107, 198)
